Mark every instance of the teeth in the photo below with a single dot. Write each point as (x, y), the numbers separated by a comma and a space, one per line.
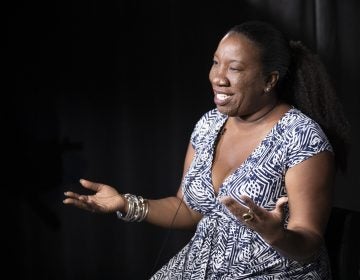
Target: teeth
(221, 96)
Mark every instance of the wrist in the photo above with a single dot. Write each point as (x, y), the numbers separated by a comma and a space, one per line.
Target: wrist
(135, 208)
(275, 239)
(124, 205)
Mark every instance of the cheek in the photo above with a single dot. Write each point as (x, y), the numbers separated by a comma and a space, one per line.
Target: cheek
(244, 84)
(239, 98)
(237, 83)
(211, 75)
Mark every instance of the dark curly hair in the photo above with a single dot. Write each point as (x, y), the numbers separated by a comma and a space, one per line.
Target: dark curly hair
(303, 82)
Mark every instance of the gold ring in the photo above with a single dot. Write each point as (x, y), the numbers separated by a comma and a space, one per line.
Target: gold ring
(248, 216)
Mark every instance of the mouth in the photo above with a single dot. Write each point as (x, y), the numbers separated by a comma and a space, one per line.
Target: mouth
(221, 98)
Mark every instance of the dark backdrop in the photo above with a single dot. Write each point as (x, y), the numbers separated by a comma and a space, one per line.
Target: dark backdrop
(110, 91)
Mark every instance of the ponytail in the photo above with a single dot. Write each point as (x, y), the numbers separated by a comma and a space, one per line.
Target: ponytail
(313, 93)
(303, 82)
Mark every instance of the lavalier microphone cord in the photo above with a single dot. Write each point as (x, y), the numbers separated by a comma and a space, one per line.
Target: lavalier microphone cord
(169, 231)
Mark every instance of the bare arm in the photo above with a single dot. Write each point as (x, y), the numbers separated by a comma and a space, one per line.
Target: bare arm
(173, 211)
(309, 187)
(165, 212)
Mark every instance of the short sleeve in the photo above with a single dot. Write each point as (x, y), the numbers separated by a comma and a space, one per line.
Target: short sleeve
(306, 139)
(202, 128)
(194, 138)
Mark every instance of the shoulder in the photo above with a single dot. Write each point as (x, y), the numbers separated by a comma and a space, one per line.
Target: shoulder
(208, 122)
(295, 123)
(295, 119)
(209, 118)
(304, 137)
(210, 115)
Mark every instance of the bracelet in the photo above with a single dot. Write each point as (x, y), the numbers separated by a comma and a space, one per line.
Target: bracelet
(138, 208)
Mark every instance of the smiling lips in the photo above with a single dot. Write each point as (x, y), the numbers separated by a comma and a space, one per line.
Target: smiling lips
(221, 98)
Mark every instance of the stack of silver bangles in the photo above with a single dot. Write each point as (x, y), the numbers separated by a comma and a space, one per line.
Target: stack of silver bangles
(138, 209)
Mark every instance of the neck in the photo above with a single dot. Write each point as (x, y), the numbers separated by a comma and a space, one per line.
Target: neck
(261, 115)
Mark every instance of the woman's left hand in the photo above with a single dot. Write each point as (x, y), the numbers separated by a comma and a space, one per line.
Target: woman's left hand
(269, 224)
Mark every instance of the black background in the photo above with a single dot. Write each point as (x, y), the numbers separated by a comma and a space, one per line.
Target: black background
(110, 91)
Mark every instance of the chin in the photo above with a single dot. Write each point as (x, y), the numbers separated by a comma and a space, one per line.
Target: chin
(225, 111)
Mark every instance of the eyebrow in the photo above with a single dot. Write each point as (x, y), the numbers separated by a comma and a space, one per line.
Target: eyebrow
(233, 60)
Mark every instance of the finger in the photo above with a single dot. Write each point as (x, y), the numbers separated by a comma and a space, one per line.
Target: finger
(84, 198)
(78, 203)
(259, 212)
(280, 204)
(248, 202)
(75, 202)
(90, 185)
(234, 206)
(225, 199)
(71, 194)
(228, 201)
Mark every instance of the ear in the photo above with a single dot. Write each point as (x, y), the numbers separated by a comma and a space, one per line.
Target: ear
(271, 81)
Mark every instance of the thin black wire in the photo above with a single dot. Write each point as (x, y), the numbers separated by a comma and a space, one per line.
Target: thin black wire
(222, 131)
(166, 238)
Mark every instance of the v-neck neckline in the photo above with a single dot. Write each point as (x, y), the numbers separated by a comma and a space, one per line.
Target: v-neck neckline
(250, 156)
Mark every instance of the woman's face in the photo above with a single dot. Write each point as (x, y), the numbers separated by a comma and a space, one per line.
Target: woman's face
(236, 77)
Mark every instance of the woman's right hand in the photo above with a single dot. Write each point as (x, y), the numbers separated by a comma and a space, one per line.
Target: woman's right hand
(106, 199)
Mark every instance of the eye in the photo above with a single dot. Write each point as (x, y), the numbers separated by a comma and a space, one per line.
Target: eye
(234, 69)
(215, 62)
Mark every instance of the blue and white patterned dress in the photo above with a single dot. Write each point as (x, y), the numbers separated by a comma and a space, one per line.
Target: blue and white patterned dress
(222, 246)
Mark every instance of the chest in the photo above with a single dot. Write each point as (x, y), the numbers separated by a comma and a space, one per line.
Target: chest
(231, 150)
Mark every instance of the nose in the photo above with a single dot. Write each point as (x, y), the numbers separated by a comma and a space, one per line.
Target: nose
(219, 79)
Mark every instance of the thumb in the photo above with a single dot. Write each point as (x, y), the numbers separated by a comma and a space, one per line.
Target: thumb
(281, 203)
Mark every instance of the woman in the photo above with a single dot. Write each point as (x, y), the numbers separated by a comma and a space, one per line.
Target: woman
(258, 171)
